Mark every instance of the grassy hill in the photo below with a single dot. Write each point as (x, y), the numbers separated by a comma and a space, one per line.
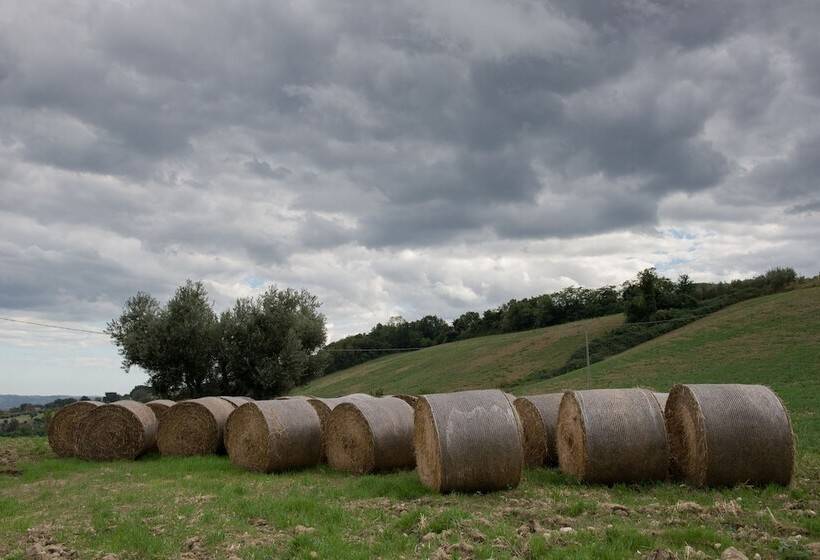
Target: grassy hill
(772, 340)
(488, 361)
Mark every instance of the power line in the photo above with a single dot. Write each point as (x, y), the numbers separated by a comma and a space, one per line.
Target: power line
(374, 349)
(9, 319)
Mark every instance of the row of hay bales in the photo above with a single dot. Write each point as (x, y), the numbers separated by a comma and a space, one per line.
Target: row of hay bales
(464, 441)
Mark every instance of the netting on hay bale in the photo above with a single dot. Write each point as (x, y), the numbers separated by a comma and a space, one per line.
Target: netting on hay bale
(63, 428)
(721, 435)
(409, 399)
(468, 441)
(539, 420)
(121, 430)
(274, 435)
(370, 435)
(661, 398)
(612, 435)
(194, 427)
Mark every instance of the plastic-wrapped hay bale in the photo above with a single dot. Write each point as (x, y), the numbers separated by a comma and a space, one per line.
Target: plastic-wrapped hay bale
(722, 435)
(236, 401)
(370, 435)
(121, 430)
(160, 406)
(539, 419)
(612, 435)
(468, 441)
(274, 435)
(194, 427)
(63, 427)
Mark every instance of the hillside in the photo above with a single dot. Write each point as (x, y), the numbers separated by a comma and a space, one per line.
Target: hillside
(773, 340)
(487, 361)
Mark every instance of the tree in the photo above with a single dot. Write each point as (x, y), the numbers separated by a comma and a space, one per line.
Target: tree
(176, 344)
(269, 344)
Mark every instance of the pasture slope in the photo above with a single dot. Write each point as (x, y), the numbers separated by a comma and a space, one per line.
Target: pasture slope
(476, 363)
(204, 507)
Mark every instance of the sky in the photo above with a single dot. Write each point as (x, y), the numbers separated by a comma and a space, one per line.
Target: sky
(392, 157)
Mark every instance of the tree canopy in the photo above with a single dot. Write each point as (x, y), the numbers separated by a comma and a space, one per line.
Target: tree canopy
(261, 347)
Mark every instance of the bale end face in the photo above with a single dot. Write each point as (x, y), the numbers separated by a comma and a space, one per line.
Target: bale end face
(350, 445)
(122, 430)
(194, 427)
(571, 437)
(535, 435)
(63, 429)
(247, 438)
(427, 447)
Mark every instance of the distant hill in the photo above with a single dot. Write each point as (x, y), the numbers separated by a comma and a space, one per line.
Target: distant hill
(487, 361)
(12, 401)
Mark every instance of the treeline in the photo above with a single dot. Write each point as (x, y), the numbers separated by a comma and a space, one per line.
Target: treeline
(261, 347)
(649, 297)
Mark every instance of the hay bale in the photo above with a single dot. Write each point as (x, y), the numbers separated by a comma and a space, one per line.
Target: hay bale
(194, 427)
(324, 406)
(370, 435)
(612, 435)
(274, 435)
(539, 419)
(63, 427)
(409, 399)
(661, 398)
(722, 435)
(468, 441)
(237, 401)
(121, 430)
(160, 406)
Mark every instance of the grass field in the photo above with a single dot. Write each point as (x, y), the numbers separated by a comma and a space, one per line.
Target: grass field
(204, 507)
(489, 361)
(199, 508)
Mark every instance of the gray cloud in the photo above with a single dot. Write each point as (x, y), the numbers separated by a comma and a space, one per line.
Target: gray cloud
(142, 143)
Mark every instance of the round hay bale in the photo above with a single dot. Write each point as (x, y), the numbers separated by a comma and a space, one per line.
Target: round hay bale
(194, 427)
(722, 435)
(274, 435)
(63, 427)
(160, 406)
(612, 435)
(237, 401)
(468, 441)
(539, 419)
(370, 435)
(324, 406)
(121, 430)
(409, 399)
(661, 397)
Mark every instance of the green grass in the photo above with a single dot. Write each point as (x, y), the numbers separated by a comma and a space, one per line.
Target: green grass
(488, 361)
(204, 507)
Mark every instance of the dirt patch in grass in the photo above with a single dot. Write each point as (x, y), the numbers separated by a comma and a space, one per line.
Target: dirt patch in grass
(41, 544)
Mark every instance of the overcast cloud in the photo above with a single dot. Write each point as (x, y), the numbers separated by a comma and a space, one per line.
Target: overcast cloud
(392, 157)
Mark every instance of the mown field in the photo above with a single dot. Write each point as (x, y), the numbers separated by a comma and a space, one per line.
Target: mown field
(204, 507)
(489, 361)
